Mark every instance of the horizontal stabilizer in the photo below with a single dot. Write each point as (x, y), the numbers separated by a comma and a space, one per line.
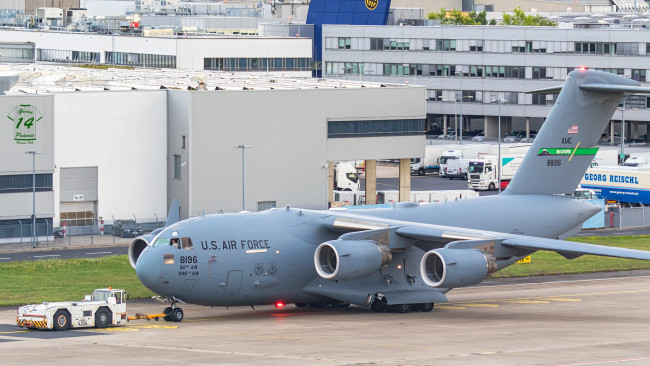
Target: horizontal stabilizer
(549, 90)
(612, 88)
(570, 249)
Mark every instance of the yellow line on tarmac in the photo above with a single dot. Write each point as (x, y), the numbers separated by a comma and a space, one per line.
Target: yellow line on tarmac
(450, 307)
(482, 305)
(15, 331)
(528, 302)
(561, 299)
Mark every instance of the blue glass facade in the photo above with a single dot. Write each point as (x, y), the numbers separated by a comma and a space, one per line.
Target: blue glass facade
(356, 12)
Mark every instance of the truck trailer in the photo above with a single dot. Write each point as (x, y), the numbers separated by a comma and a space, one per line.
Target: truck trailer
(461, 152)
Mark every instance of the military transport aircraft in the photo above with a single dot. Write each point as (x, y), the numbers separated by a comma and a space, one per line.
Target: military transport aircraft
(399, 259)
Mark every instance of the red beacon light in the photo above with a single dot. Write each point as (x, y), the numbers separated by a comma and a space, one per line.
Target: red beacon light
(582, 68)
(279, 305)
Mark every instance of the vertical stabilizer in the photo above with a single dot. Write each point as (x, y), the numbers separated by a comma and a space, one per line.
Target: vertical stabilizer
(173, 216)
(566, 143)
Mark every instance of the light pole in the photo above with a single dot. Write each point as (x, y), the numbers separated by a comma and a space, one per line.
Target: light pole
(243, 186)
(623, 131)
(461, 103)
(33, 152)
(499, 101)
(461, 117)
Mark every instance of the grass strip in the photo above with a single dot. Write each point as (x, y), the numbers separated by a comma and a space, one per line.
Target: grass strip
(31, 282)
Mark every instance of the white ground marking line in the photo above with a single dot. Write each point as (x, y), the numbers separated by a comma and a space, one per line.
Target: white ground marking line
(606, 362)
(5, 258)
(49, 255)
(100, 253)
(550, 282)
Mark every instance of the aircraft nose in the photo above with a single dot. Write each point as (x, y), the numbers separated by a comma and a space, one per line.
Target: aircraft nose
(148, 268)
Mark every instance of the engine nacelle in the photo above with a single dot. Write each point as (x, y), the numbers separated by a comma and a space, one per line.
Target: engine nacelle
(348, 259)
(137, 246)
(449, 268)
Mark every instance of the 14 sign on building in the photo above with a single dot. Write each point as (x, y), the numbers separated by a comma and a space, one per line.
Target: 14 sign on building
(25, 117)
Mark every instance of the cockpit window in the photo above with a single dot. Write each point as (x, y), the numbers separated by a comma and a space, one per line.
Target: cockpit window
(187, 243)
(99, 295)
(175, 242)
(161, 242)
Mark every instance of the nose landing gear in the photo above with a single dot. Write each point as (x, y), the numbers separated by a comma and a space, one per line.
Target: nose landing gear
(172, 313)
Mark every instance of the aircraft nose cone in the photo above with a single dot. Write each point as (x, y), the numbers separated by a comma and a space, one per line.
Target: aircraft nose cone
(148, 268)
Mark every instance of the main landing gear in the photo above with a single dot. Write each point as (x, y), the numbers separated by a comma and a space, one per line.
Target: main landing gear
(379, 306)
(172, 313)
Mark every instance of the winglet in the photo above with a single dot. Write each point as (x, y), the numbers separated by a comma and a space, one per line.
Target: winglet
(173, 216)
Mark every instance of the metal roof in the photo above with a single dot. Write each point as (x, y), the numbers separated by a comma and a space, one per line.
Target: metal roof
(55, 78)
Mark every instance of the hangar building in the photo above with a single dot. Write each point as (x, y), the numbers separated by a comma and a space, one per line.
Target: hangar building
(124, 145)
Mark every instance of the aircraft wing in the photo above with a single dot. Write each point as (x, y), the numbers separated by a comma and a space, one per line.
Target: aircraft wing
(468, 237)
(572, 248)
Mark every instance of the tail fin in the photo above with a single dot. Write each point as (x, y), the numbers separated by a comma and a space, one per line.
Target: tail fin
(566, 143)
(173, 216)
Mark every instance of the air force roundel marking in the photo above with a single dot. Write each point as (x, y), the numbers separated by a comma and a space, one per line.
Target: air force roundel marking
(371, 4)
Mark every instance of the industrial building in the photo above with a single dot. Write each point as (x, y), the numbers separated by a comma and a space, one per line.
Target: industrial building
(487, 64)
(223, 53)
(125, 145)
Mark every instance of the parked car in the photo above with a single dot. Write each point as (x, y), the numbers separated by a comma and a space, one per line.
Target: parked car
(450, 136)
(530, 139)
(126, 228)
(479, 138)
(58, 232)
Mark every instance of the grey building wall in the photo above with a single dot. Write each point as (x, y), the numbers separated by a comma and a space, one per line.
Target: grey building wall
(287, 130)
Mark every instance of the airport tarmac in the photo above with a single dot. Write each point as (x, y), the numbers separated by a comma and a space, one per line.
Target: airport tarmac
(586, 322)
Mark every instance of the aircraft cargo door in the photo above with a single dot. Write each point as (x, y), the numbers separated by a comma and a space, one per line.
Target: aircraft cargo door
(234, 283)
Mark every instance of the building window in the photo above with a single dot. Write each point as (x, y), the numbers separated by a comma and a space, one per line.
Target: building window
(539, 99)
(446, 45)
(345, 43)
(639, 75)
(371, 128)
(376, 43)
(177, 167)
(24, 183)
(265, 205)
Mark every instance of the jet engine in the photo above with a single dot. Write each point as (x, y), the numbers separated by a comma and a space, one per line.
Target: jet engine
(348, 259)
(451, 268)
(137, 246)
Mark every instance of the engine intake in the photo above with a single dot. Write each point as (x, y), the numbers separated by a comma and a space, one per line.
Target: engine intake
(137, 246)
(449, 268)
(348, 259)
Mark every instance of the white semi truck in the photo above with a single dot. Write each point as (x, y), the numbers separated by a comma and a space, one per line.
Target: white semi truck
(430, 162)
(484, 171)
(465, 152)
(346, 177)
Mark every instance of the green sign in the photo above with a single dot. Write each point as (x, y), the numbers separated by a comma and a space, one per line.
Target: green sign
(568, 151)
(24, 117)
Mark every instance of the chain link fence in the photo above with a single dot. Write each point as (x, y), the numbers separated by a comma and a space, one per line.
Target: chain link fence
(19, 233)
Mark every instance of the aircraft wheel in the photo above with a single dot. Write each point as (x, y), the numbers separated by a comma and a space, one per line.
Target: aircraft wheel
(102, 318)
(339, 305)
(300, 304)
(176, 315)
(491, 187)
(377, 307)
(166, 312)
(426, 307)
(318, 305)
(61, 320)
(400, 308)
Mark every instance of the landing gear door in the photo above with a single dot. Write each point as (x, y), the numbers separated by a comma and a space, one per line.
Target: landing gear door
(234, 283)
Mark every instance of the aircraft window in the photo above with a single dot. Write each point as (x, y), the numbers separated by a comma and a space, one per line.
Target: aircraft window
(175, 242)
(169, 258)
(187, 243)
(161, 242)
